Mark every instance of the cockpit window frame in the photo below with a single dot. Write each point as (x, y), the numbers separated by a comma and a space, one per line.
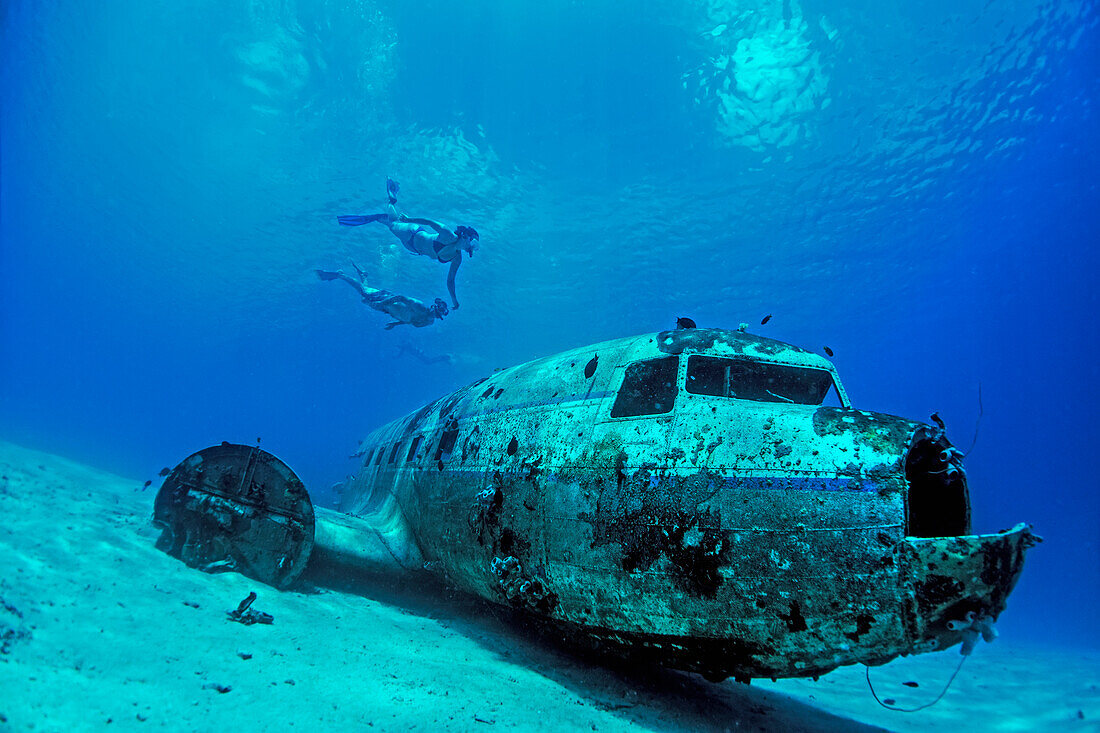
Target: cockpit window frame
(834, 383)
(677, 387)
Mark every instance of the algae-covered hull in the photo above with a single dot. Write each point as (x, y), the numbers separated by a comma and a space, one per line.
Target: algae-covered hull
(706, 574)
(685, 496)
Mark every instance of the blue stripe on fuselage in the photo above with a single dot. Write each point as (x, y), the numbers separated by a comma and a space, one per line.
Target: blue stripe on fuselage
(768, 482)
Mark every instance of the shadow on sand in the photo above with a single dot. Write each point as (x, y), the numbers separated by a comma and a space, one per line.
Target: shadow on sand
(648, 696)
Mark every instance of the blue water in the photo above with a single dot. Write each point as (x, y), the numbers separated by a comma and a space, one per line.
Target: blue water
(915, 187)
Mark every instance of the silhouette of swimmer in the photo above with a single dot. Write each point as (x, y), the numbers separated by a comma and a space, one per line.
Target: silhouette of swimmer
(406, 348)
(423, 236)
(403, 309)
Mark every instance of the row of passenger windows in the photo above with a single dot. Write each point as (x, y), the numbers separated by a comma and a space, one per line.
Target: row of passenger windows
(443, 449)
(381, 452)
(649, 387)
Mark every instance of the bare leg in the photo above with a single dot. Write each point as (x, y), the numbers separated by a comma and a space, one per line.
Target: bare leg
(371, 296)
(388, 218)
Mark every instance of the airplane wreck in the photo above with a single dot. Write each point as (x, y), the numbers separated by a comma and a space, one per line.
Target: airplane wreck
(683, 495)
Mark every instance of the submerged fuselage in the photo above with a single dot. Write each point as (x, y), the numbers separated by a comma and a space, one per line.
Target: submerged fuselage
(687, 493)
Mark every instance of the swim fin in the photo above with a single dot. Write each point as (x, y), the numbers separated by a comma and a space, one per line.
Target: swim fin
(327, 275)
(355, 221)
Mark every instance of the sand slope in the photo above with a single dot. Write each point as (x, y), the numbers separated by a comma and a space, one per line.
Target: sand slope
(99, 630)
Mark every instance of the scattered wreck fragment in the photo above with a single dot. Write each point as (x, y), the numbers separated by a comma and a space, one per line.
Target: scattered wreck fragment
(684, 495)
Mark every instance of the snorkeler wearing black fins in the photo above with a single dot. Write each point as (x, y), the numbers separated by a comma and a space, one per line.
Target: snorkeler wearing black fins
(403, 309)
(423, 236)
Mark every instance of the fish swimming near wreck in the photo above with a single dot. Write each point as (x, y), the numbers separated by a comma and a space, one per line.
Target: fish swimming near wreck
(590, 367)
(692, 501)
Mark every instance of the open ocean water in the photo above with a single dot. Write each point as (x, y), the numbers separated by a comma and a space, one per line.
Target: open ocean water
(913, 185)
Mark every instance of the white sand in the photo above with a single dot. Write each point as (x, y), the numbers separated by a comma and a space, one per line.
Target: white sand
(103, 631)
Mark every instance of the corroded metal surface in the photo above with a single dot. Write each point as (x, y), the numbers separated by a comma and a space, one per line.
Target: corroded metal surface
(236, 507)
(947, 578)
(727, 536)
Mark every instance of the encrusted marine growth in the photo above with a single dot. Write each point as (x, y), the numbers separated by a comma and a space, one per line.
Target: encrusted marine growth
(687, 494)
(651, 517)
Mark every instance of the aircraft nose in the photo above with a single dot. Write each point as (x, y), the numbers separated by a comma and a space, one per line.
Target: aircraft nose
(950, 582)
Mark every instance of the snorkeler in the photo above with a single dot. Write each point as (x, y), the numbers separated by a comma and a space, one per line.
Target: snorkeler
(406, 348)
(423, 236)
(403, 309)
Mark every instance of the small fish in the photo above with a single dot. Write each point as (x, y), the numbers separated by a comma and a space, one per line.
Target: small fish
(683, 322)
(590, 367)
(828, 351)
(765, 319)
(147, 485)
(164, 471)
(910, 683)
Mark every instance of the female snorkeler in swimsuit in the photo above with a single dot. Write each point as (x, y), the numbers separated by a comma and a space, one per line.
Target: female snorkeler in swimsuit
(423, 236)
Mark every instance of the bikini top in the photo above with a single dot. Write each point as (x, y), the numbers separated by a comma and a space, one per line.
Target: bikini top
(438, 247)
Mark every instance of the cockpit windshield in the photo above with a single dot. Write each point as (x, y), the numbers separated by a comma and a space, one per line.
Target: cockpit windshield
(649, 388)
(752, 380)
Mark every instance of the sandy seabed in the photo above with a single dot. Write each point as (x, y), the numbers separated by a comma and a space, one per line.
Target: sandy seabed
(99, 630)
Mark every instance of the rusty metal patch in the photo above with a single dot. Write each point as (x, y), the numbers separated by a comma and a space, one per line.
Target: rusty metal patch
(652, 515)
(703, 339)
(884, 433)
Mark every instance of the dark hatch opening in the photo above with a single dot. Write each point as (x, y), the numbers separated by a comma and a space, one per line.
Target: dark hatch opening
(939, 503)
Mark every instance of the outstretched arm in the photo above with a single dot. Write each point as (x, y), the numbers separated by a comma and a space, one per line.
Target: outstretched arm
(393, 324)
(451, 278)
